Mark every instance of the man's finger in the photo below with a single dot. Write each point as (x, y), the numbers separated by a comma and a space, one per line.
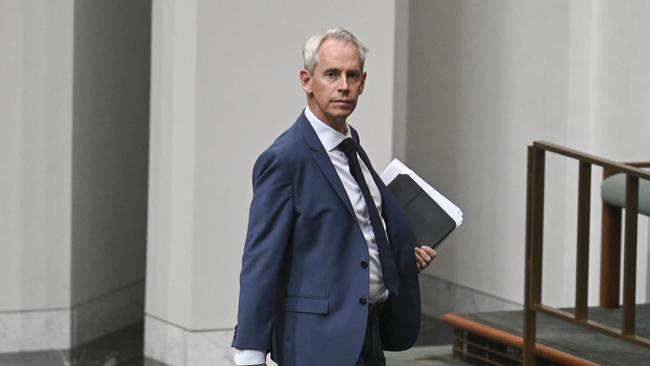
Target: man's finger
(423, 254)
(430, 251)
(420, 261)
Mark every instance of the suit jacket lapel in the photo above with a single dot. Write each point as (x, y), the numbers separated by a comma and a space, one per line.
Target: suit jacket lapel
(323, 161)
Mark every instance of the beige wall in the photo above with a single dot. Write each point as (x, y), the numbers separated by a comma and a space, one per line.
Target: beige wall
(486, 79)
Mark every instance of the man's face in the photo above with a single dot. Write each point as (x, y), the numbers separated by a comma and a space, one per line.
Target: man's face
(336, 83)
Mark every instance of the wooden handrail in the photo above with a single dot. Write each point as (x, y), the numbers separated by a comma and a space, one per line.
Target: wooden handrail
(534, 244)
(639, 164)
(617, 167)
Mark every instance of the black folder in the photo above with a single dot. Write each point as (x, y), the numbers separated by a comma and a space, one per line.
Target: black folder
(430, 223)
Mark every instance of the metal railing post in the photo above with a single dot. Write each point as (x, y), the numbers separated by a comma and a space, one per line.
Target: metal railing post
(610, 253)
(534, 246)
(629, 269)
(530, 316)
(582, 254)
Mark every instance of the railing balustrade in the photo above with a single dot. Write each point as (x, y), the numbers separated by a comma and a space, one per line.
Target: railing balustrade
(534, 246)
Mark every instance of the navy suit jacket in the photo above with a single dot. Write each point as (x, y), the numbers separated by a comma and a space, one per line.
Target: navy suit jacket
(302, 278)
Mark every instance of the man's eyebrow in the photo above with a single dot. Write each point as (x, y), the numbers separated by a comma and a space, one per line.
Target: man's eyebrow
(332, 69)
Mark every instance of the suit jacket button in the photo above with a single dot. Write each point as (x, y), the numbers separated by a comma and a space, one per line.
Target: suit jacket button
(364, 264)
(362, 301)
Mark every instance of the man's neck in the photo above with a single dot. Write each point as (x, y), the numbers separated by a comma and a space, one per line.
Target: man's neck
(340, 126)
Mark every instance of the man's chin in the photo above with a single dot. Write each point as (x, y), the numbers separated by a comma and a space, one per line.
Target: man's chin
(342, 112)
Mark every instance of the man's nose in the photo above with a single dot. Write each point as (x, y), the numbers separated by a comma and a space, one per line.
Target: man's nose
(343, 83)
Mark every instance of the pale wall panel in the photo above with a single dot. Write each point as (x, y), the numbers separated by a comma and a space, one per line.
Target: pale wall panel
(35, 154)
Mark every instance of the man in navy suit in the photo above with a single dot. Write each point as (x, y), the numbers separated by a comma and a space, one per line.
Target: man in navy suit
(329, 270)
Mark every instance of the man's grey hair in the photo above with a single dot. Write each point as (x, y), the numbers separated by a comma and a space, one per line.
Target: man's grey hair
(310, 51)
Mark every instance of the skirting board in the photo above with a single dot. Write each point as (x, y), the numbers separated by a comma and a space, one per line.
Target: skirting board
(61, 329)
(34, 330)
(439, 296)
(177, 346)
(107, 313)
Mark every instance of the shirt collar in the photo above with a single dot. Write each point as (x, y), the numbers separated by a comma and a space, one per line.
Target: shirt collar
(329, 137)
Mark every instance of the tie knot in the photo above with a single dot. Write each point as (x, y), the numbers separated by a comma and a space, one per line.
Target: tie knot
(347, 146)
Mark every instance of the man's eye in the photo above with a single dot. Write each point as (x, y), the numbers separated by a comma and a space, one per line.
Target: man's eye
(330, 75)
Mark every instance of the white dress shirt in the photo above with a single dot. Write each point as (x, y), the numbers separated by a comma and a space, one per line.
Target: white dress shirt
(331, 138)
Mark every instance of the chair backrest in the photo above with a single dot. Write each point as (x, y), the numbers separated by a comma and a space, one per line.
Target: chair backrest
(612, 191)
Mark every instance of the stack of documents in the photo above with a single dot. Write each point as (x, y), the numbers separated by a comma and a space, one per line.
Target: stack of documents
(432, 216)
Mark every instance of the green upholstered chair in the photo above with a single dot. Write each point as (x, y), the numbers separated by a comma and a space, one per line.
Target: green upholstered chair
(613, 193)
(613, 196)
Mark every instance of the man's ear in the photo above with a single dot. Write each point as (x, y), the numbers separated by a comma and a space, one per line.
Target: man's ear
(363, 82)
(305, 81)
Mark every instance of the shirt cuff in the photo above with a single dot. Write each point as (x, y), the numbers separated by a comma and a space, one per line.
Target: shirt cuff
(249, 357)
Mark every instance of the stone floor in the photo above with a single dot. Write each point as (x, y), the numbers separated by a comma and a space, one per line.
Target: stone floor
(576, 340)
(124, 348)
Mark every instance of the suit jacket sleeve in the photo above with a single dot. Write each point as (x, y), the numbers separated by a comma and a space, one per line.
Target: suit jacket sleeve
(270, 226)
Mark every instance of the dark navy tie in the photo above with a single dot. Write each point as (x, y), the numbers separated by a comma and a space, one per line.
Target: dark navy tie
(391, 277)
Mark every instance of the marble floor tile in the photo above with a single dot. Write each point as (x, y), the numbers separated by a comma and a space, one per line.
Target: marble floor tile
(121, 348)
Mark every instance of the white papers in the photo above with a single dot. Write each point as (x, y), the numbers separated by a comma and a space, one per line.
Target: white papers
(396, 167)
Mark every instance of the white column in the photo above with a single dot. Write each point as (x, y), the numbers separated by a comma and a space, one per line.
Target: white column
(73, 160)
(36, 39)
(224, 85)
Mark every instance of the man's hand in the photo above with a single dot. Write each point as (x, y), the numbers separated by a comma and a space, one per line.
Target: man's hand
(424, 255)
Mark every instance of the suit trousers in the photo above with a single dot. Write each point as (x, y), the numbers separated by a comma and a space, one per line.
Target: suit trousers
(372, 353)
